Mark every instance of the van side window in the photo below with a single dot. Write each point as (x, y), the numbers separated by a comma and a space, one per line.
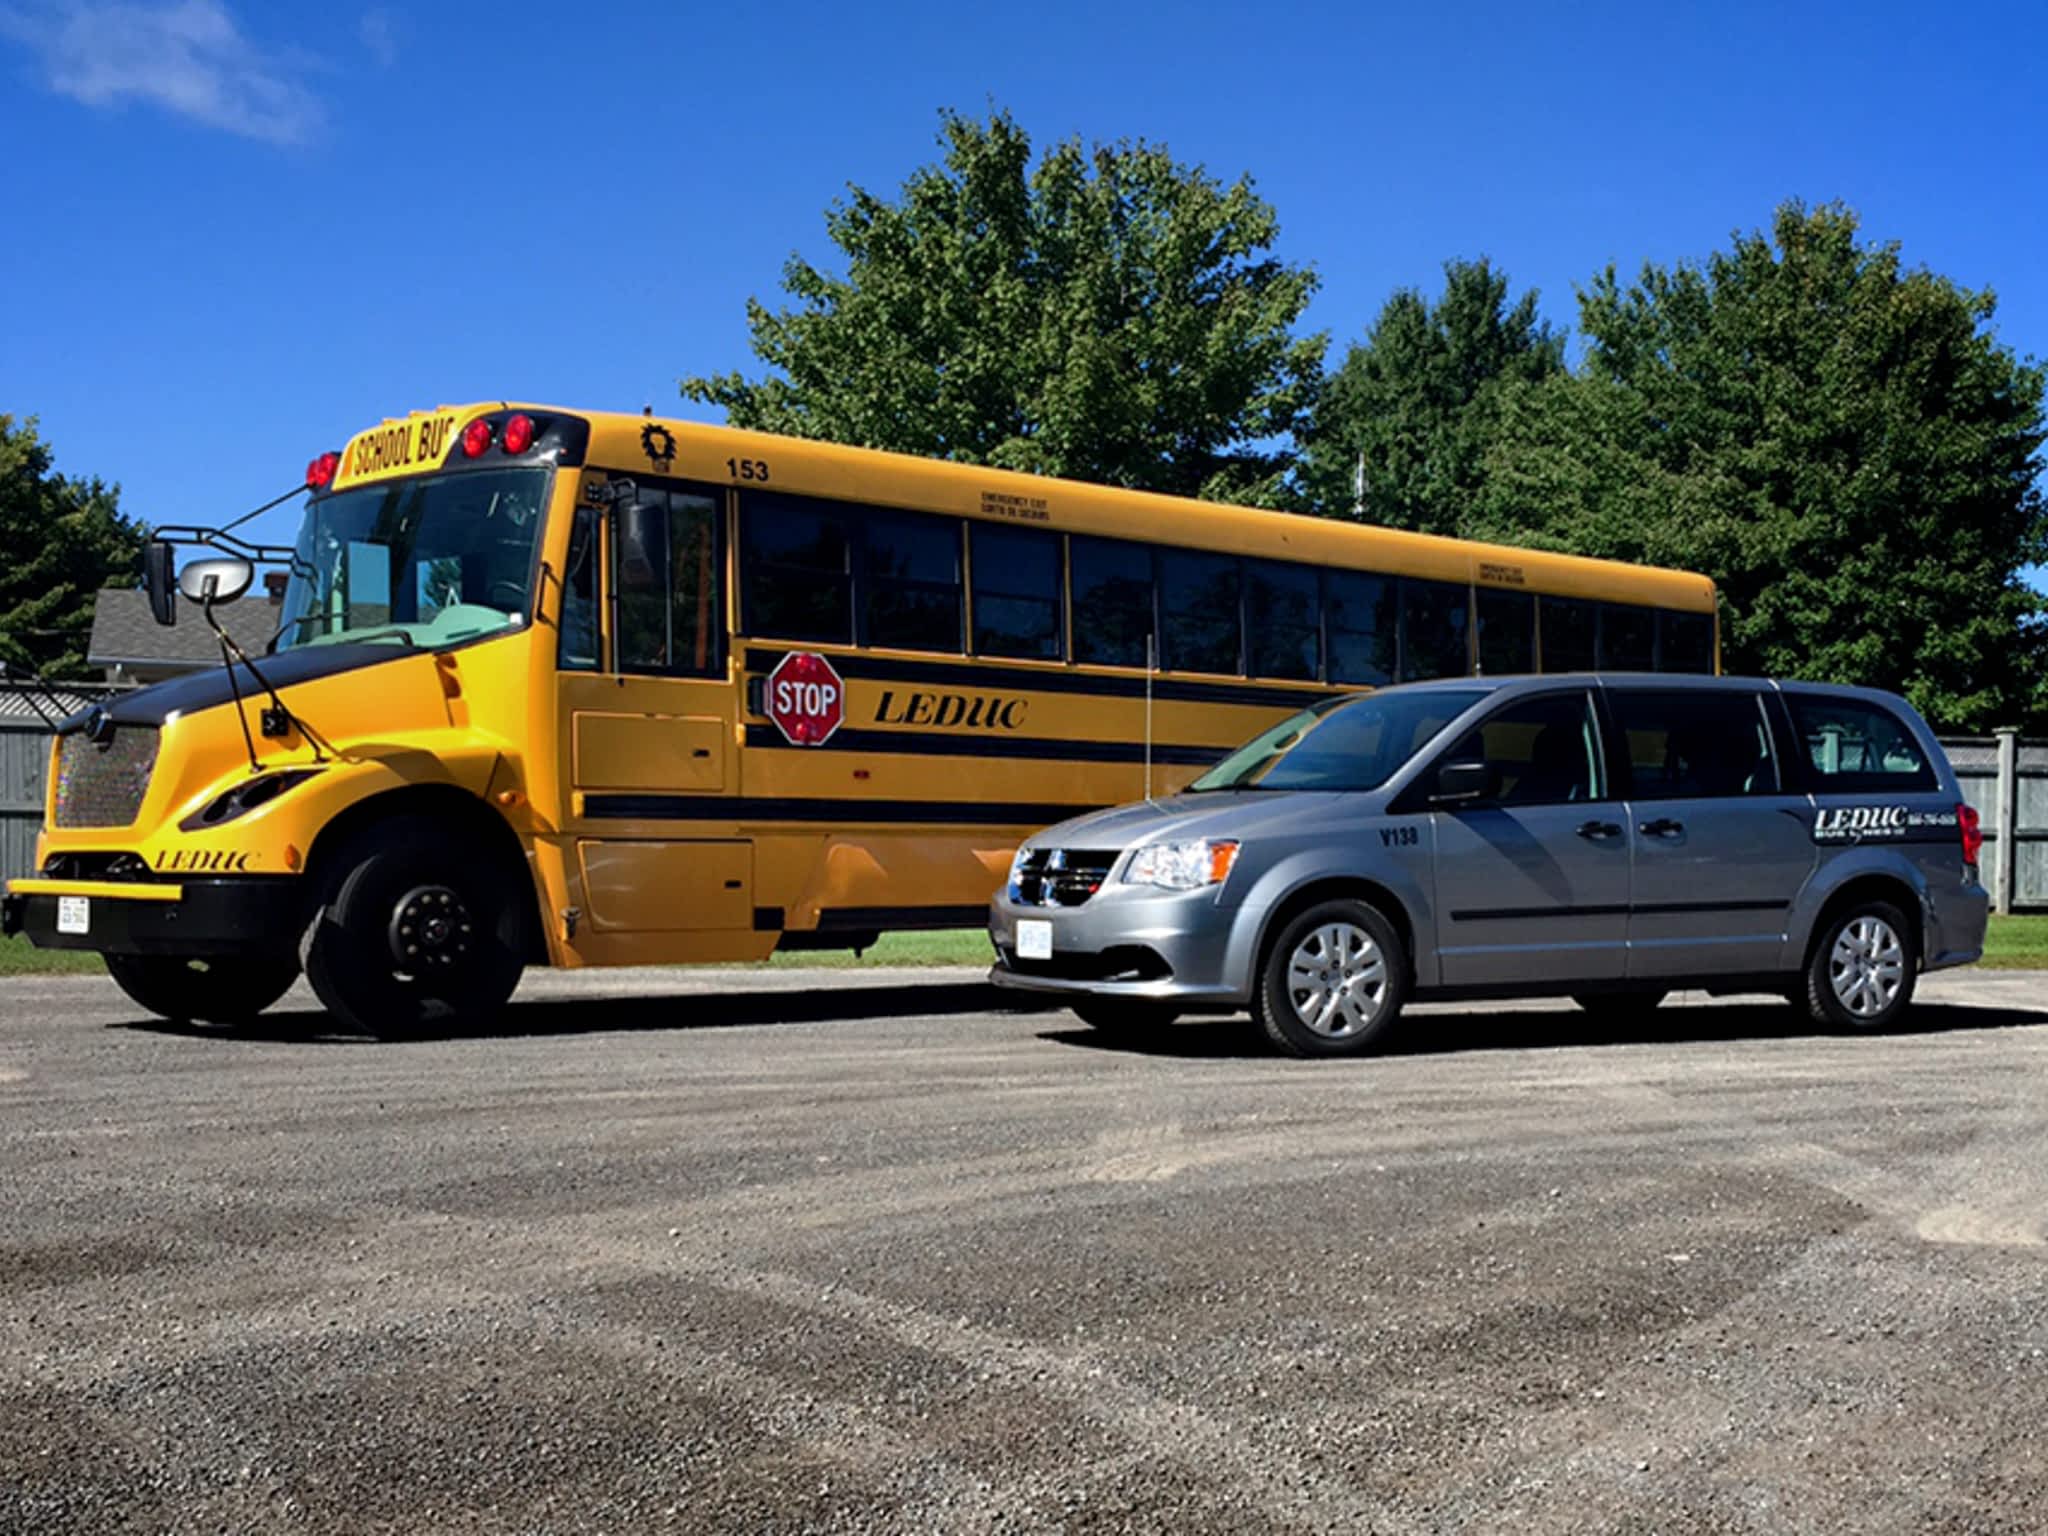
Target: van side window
(1017, 592)
(670, 616)
(1543, 751)
(1852, 745)
(1685, 746)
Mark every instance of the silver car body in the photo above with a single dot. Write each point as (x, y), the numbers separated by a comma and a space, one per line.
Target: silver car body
(1719, 892)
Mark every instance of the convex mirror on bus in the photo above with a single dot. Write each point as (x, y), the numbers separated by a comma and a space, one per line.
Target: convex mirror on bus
(218, 579)
(157, 580)
(1464, 784)
(643, 543)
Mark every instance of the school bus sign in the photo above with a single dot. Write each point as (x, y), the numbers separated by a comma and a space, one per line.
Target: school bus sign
(806, 699)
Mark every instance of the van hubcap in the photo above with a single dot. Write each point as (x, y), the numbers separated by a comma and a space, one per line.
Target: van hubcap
(1867, 966)
(1337, 980)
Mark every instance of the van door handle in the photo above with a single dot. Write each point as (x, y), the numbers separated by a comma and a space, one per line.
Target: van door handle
(1663, 826)
(1599, 829)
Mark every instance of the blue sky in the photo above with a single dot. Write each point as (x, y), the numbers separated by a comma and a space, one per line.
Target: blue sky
(241, 231)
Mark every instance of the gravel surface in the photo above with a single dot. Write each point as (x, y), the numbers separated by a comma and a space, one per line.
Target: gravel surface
(795, 1251)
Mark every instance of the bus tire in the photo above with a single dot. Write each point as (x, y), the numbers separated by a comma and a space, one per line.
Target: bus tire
(1332, 980)
(417, 928)
(211, 991)
(1124, 1015)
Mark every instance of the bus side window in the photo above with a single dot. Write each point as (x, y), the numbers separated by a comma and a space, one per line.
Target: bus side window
(1016, 592)
(1628, 638)
(1435, 616)
(1112, 586)
(576, 641)
(667, 586)
(910, 581)
(1359, 614)
(1571, 634)
(1507, 632)
(1687, 642)
(796, 568)
(1198, 613)
(1281, 618)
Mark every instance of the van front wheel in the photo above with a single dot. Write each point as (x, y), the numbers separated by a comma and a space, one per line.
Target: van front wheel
(417, 929)
(1332, 981)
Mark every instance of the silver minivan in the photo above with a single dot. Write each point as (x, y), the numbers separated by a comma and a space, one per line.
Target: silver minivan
(1609, 838)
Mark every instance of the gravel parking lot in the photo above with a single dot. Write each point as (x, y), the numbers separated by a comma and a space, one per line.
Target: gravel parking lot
(781, 1250)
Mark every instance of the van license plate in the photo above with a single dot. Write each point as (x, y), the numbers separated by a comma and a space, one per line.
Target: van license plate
(74, 914)
(1034, 939)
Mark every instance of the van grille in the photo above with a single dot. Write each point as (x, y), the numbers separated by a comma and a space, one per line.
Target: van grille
(104, 786)
(1062, 877)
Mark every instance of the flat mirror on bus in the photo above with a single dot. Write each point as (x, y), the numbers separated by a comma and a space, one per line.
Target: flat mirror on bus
(217, 579)
(366, 584)
(1463, 783)
(159, 581)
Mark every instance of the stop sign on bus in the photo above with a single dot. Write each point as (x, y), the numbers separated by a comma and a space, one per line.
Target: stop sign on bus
(806, 699)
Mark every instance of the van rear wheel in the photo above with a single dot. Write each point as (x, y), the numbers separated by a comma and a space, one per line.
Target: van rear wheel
(417, 929)
(1863, 967)
(226, 990)
(1332, 981)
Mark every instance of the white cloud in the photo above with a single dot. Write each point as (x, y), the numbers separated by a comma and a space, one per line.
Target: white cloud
(186, 56)
(380, 36)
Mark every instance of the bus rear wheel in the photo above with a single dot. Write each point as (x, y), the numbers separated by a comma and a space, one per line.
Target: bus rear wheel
(417, 929)
(212, 991)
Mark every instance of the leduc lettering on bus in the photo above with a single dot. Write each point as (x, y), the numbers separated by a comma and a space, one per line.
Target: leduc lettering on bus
(966, 710)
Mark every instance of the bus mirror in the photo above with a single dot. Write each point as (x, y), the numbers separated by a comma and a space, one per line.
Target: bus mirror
(643, 544)
(220, 579)
(157, 581)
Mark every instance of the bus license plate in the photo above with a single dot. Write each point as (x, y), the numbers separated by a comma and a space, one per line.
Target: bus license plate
(1034, 939)
(74, 914)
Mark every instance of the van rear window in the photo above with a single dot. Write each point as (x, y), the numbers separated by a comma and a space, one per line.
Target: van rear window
(1850, 744)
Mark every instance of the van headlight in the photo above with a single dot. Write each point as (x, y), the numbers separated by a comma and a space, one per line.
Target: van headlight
(1183, 866)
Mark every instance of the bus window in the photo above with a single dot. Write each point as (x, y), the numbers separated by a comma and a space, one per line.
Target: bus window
(910, 582)
(1112, 586)
(795, 569)
(1571, 634)
(1628, 638)
(576, 642)
(1507, 632)
(1434, 618)
(1358, 613)
(669, 609)
(1198, 610)
(1016, 592)
(1687, 642)
(1281, 619)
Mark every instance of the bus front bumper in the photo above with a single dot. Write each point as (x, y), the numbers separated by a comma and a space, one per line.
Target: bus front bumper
(233, 916)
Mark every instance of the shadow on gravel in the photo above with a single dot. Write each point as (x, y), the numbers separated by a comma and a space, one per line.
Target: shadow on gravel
(608, 1015)
(1473, 1029)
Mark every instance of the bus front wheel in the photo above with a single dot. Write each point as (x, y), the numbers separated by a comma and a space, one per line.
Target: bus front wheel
(416, 929)
(224, 991)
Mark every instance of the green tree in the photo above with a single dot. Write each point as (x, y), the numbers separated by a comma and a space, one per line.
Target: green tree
(1840, 441)
(1400, 435)
(61, 540)
(1106, 314)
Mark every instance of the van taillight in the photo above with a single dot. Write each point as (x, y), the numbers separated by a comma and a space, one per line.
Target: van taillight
(1972, 828)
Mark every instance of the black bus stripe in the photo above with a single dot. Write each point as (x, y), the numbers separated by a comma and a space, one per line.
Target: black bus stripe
(938, 744)
(977, 813)
(988, 675)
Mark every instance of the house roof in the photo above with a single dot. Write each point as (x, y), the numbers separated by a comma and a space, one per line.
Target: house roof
(124, 633)
(18, 702)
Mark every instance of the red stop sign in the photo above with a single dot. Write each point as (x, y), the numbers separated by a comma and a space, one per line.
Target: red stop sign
(806, 699)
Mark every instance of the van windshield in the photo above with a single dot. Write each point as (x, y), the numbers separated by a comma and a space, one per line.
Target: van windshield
(1355, 743)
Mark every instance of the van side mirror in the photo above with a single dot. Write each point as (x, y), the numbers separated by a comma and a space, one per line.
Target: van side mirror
(1464, 784)
(157, 580)
(216, 580)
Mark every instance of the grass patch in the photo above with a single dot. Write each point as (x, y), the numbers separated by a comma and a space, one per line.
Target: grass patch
(18, 957)
(946, 946)
(2017, 943)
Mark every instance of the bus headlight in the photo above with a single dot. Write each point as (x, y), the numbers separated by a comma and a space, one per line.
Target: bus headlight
(1183, 866)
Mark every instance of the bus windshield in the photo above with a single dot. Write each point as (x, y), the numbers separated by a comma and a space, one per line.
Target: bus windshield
(424, 562)
(1341, 743)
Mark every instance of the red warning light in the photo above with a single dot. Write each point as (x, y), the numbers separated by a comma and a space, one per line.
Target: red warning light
(476, 437)
(519, 434)
(321, 471)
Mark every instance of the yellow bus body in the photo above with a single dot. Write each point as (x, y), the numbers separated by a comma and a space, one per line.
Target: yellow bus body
(663, 818)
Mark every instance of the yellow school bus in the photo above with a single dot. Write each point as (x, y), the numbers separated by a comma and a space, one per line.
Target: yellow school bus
(575, 688)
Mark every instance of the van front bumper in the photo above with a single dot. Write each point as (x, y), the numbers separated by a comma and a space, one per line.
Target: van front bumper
(250, 914)
(1139, 942)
